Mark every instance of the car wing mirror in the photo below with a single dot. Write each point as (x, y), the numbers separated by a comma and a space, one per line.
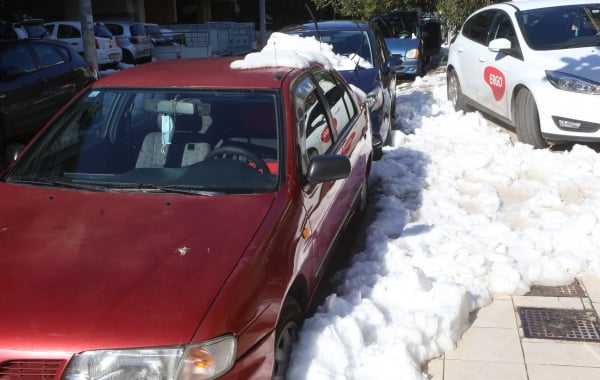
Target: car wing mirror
(13, 151)
(328, 167)
(500, 45)
(394, 62)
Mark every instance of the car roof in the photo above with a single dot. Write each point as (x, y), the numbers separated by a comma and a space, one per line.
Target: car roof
(198, 73)
(329, 25)
(534, 4)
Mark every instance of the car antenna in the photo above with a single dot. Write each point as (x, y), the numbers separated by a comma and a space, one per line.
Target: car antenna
(362, 40)
(312, 16)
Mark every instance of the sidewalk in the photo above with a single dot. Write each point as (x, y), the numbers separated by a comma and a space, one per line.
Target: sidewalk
(553, 333)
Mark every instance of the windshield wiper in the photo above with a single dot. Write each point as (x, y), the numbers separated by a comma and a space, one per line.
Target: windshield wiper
(42, 181)
(176, 189)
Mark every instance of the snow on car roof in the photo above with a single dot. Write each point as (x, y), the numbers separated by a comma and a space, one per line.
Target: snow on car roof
(284, 50)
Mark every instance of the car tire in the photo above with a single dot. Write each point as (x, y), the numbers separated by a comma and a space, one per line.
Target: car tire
(454, 92)
(128, 57)
(527, 120)
(286, 334)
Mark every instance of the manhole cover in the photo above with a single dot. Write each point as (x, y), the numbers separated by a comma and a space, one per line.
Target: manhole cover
(571, 290)
(563, 324)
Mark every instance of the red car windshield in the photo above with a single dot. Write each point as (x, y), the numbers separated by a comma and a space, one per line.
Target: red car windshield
(159, 140)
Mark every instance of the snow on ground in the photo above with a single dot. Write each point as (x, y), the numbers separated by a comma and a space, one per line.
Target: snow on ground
(462, 214)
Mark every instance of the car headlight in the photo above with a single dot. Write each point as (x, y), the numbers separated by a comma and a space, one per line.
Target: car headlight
(375, 98)
(202, 361)
(412, 54)
(568, 82)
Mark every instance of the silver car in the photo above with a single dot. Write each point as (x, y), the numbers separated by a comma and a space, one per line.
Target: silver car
(133, 40)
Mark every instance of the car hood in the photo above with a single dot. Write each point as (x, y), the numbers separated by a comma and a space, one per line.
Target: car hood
(365, 79)
(582, 62)
(89, 270)
(401, 46)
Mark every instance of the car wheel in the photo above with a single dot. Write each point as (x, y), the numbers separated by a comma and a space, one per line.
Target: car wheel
(527, 120)
(454, 92)
(286, 334)
(128, 57)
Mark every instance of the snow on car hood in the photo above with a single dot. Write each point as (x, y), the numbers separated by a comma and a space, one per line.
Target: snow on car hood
(84, 270)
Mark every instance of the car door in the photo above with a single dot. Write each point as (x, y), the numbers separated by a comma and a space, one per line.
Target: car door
(472, 52)
(21, 90)
(329, 123)
(498, 66)
(60, 81)
(71, 35)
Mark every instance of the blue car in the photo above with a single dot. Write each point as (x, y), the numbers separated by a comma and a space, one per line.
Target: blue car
(412, 37)
(374, 72)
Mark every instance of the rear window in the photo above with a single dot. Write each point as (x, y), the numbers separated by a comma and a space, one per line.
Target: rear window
(102, 31)
(137, 30)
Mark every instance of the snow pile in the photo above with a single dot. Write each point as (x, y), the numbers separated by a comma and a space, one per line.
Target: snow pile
(462, 214)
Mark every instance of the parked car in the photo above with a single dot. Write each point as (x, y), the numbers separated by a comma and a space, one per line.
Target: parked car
(412, 37)
(166, 44)
(25, 28)
(373, 73)
(118, 256)
(37, 77)
(533, 65)
(133, 39)
(107, 48)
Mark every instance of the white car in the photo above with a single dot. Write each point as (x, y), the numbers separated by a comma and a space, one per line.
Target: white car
(533, 64)
(133, 39)
(108, 52)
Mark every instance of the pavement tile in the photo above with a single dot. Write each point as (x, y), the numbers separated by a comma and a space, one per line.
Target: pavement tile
(554, 372)
(478, 370)
(488, 344)
(561, 353)
(499, 313)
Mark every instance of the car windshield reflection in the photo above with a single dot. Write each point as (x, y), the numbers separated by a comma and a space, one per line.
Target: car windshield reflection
(193, 142)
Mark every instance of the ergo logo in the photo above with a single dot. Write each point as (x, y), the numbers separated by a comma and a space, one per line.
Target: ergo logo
(496, 80)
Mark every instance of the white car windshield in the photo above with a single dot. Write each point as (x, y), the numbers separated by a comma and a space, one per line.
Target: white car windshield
(159, 140)
(561, 27)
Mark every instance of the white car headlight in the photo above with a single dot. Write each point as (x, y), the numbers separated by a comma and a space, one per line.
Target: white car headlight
(412, 54)
(568, 82)
(202, 361)
(375, 98)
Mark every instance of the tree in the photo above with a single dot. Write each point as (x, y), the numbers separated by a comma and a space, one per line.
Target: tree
(366, 9)
(454, 13)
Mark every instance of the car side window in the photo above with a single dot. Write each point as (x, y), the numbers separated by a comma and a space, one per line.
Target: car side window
(502, 27)
(67, 31)
(312, 128)
(477, 27)
(340, 102)
(48, 55)
(16, 60)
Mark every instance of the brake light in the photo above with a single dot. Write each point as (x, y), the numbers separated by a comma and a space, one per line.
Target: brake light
(116, 41)
(134, 40)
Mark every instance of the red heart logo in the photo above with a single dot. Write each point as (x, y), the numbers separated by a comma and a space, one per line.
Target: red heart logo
(496, 80)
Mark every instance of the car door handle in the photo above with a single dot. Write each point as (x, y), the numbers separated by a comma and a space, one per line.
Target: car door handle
(481, 59)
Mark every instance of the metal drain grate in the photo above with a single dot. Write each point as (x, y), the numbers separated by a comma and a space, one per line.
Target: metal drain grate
(572, 290)
(563, 324)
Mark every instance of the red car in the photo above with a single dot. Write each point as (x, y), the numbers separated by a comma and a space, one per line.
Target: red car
(174, 220)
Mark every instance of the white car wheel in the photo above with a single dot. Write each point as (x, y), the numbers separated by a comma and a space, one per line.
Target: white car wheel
(454, 92)
(527, 120)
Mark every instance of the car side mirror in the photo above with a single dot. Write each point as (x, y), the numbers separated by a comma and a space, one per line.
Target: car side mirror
(328, 167)
(500, 45)
(12, 151)
(394, 62)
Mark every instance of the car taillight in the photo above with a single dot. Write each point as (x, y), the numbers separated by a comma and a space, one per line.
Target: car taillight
(116, 41)
(134, 40)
